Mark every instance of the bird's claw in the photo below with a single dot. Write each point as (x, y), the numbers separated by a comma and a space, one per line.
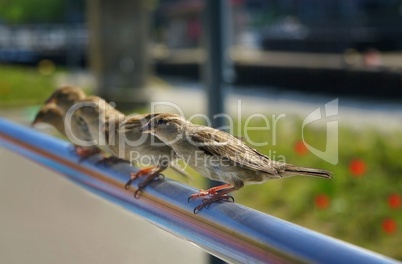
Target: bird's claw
(225, 198)
(128, 184)
(200, 194)
(137, 193)
(160, 176)
(196, 210)
(142, 185)
(206, 202)
(133, 176)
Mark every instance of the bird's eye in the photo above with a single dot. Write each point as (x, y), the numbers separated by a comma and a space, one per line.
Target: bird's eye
(161, 121)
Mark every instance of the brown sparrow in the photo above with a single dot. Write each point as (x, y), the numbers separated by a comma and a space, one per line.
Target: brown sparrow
(96, 114)
(50, 114)
(147, 149)
(220, 156)
(66, 96)
(104, 123)
(54, 113)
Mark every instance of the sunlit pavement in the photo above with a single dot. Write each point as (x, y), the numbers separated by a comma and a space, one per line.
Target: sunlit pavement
(47, 219)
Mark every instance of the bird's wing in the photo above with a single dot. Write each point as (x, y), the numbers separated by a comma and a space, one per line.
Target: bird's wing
(112, 113)
(80, 128)
(136, 121)
(219, 143)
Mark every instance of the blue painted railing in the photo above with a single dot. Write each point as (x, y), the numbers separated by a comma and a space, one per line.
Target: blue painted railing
(227, 230)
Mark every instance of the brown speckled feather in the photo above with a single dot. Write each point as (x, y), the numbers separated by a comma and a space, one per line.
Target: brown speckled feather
(224, 145)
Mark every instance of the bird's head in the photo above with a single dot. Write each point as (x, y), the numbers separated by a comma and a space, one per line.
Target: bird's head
(90, 107)
(167, 127)
(50, 114)
(65, 97)
(135, 122)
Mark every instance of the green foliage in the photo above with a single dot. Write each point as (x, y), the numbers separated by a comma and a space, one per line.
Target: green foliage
(24, 86)
(32, 11)
(357, 205)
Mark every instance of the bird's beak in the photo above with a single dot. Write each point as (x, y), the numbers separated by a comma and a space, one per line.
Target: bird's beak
(147, 128)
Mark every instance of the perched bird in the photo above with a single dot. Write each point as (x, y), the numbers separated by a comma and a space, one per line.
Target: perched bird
(220, 156)
(147, 149)
(64, 98)
(98, 117)
(51, 114)
(123, 139)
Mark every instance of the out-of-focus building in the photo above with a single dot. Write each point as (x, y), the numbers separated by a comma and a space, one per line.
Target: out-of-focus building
(310, 25)
(33, 42)
(329, 26)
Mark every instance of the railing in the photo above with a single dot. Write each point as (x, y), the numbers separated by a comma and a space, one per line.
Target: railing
(229, 231)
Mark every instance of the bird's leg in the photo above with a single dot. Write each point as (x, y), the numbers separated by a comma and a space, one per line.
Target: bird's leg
(86, 152)
(111, 160)
(149, 178)
(140, 173)
(219, 196)
(211, 191)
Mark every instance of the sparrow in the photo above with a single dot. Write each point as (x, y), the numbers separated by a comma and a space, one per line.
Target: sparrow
(97, 116)
(220, 156)
(121, 137)
(50, 114)
(64, 98)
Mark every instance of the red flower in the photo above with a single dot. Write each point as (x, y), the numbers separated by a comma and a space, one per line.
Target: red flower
(394, 201)
(321, 201)
(389, 225)
(301, 148)
(357, 167)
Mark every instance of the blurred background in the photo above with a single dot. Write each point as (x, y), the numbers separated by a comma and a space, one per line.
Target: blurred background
(278, 57)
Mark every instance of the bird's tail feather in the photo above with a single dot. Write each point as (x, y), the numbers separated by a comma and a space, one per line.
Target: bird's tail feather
(291, 170)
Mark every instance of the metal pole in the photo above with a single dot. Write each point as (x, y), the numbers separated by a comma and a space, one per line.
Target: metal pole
(229, 231)
(72, 47)
(215, 46)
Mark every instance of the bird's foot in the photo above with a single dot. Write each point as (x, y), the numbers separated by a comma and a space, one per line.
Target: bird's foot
(153, 177)
(206, 202)
(85, 152)
(138, 174)
(210, 192)
(201, 193)
(107, 161)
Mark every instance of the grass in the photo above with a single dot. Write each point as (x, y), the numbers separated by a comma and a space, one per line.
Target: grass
(21, 86)
(354, 206)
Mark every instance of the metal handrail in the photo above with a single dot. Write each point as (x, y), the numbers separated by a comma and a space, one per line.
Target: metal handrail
(229, 231)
